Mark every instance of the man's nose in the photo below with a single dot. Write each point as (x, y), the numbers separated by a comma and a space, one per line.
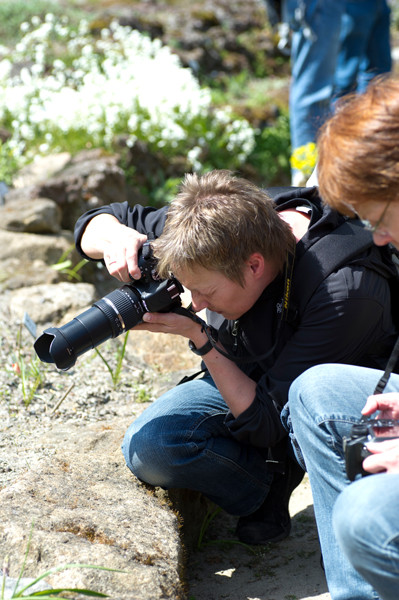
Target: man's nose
(198, 303)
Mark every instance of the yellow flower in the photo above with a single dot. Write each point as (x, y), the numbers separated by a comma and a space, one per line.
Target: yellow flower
(304, 158)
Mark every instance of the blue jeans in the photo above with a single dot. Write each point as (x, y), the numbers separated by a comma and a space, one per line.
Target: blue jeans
(323, 404)
(181, 441)
(366, 524)
(350, 46)
(365, 48)
(313, 65)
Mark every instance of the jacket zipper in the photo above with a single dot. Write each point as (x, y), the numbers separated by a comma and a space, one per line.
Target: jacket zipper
(234, 333)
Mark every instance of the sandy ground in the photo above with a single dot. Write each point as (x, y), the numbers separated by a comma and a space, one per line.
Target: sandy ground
(222, 569)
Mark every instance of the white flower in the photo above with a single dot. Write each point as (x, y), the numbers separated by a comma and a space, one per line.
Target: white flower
(120, 82)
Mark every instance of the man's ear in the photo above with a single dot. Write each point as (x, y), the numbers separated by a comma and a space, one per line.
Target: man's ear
(261, 270)
(256, 264)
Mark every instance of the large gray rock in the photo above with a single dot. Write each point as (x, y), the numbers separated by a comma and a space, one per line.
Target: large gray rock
(28, 247)
(89, 179)
(41, 169)
(27, 258)
(38, 215)
(85, 504)
(92, 178)
(86, 507)
(51, 303)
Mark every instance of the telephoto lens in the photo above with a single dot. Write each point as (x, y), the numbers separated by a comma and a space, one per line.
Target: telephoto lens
(110, 316)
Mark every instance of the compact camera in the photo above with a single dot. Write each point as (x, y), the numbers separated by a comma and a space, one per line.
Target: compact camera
(110, 316)
(367, 430)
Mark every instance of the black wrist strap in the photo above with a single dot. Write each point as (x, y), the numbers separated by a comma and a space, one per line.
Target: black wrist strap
(207, 347)
(212, 335)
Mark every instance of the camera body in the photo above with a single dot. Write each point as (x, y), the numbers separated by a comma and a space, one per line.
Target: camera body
(110, 316)
(367, 430)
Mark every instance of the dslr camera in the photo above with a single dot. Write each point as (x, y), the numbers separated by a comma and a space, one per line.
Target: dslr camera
(367, 430)
(110, 316)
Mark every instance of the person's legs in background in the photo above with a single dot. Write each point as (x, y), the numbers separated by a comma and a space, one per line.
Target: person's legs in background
(314, 52)
(366, 524)
(365, 49)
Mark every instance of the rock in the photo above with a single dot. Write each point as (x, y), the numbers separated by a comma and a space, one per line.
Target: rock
(37, 215)
(15, 274)
(86, 507)
(41, 169)
(92, 178)
(51, 303)
(15, 584)
(28, 247)
(26, 258)
(215, 39)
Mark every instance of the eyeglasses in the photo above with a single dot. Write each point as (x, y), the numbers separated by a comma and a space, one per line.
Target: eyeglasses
(374, 228)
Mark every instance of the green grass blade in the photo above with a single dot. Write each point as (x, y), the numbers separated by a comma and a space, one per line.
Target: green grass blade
(56, 570)
(52, 592)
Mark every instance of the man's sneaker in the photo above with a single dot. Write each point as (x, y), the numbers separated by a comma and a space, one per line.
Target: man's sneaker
(272, 521)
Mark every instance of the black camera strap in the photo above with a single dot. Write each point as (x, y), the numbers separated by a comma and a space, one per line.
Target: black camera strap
(388, 370)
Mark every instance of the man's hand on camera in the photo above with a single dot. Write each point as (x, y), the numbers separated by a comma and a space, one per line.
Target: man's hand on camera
(120, 254)
(387, 404)
(105, 238)
(384, 457)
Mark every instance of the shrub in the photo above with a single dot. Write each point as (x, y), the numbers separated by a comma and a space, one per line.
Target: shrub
(61, 89)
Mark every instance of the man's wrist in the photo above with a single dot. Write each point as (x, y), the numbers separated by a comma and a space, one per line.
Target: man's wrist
(209, 344)
(202, 350)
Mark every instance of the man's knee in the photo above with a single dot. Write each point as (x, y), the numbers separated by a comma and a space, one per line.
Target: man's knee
(145, 452)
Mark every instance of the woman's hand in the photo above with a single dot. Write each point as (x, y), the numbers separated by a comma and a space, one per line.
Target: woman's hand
(387, 404)
(384, 457)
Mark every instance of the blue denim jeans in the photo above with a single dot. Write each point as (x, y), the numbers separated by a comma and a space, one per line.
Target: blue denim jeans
(366, 524)
(350, 45)
(323, 404)
(365, 49)
(181, 441)
(313, 65)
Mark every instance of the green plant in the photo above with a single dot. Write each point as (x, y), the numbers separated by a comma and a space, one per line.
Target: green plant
(48, 594)
(142, 394)
(120, 354)
(9, 162)
(65, 265)
(66, 88)
(271, 154)
(27, 369)
(210, 515)
(14, 12)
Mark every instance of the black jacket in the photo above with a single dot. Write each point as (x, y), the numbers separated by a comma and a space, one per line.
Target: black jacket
(347, 320)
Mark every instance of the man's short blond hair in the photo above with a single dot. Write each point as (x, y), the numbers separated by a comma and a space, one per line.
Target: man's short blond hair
(216, 221)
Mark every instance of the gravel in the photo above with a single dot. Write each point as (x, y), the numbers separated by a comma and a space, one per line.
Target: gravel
(84, 394)
(35, 397)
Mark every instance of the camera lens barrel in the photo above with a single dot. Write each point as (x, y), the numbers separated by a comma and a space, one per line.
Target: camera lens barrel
(123, 307)
(110, 316)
